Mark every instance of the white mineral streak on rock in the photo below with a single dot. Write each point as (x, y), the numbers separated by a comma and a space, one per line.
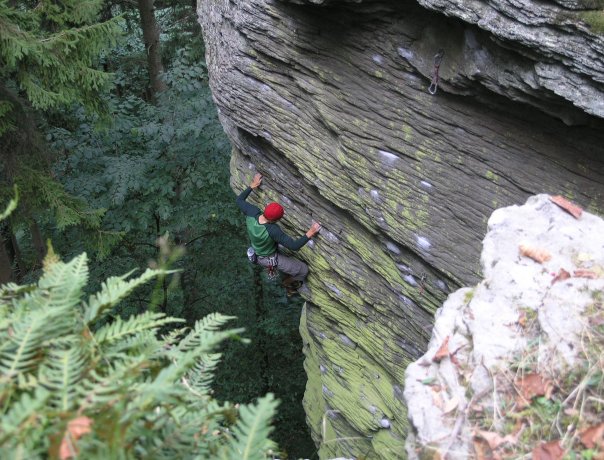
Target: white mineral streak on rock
(410, 279)
(423, 242)
(385, 423)
(334, 289)
(480, 322)
(387, 157)
(393, 247)
(404, 268)
(378, 59)
(405, 53)
(426, 185)
(375, 195)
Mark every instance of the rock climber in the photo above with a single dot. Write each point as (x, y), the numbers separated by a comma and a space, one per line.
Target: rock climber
(266, 236)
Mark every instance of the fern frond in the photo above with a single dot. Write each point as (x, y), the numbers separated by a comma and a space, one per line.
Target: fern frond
(115, 289)
(21, 351)
(63, 283)
(174, 336)
(11, 291)
(203, 333)
(116, 382)
(120, 329)
(163, 387)
(200, 377)
(22, 410)
(61, 374)
(251, 433)
(144, 342)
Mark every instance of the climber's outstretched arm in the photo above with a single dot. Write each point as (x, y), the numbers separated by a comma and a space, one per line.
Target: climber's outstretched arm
(246, 208)
(287, 241)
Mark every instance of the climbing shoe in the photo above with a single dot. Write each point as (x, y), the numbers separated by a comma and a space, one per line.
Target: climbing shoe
(292, 288)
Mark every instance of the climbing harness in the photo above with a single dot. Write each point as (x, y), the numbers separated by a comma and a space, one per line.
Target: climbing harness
(271, 270)
(438, 57)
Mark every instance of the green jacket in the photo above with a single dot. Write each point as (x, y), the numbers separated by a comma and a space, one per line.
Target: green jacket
(265, 238)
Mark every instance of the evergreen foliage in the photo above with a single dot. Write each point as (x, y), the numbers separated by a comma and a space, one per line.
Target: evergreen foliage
(132, 393)
(50, 51)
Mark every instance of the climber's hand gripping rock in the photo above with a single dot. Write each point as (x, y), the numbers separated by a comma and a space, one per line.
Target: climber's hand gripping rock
(256, 181)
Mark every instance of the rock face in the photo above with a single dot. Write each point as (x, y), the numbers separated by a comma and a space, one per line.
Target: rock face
(329, 100)
(486, 328)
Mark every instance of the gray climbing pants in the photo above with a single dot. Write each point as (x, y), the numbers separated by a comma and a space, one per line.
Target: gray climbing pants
(294, 267)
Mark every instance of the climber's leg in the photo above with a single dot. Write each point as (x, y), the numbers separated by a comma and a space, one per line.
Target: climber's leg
(296, 269)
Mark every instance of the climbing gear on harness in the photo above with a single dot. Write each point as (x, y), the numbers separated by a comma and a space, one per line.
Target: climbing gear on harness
(438, 57)
(271, 270)
(251, 255)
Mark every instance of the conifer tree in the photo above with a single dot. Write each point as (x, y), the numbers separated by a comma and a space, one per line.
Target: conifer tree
(49, 54)
(49, 58)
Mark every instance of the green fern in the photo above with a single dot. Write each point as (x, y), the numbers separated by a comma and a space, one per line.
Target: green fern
(145, 396)
(250, 435)
(62, 374)
(120, 329)
(22, 343)
(203, 334)
(114, 290)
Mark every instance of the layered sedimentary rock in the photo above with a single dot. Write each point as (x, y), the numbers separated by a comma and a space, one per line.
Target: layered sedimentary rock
(489, 338)
(330, 102)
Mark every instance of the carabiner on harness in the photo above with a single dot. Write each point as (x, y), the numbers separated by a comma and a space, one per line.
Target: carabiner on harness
(271, 270)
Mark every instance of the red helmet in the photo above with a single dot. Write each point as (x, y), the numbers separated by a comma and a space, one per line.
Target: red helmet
(273, 211)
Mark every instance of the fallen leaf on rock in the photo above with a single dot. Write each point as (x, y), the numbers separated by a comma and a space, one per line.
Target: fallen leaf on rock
(532, 385)
(437, 455)
(451, 404)
(481, 449)
(561, 276)
(454, 360)
(76, 428)
(593, 436)
(522, 319)
(583, 273)
(538, 255)
(438, 401)
(495, 439)
(548, 451)
(567, 205)
(442, 352)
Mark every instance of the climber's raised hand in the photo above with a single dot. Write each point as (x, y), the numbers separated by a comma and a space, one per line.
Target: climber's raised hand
(314, 229)
(256, 181)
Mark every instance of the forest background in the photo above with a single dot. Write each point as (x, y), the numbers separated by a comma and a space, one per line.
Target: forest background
(109, 132)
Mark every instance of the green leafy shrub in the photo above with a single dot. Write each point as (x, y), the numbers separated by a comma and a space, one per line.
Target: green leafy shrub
(76, 382)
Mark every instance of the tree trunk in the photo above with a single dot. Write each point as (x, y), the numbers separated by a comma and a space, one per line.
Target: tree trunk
(6, 261)
(38, 242)
(152, 46)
